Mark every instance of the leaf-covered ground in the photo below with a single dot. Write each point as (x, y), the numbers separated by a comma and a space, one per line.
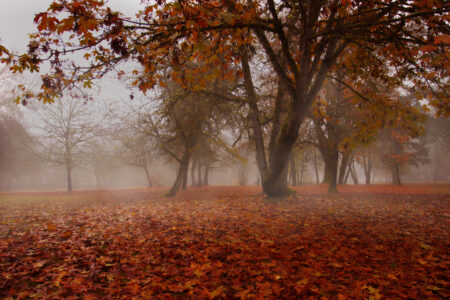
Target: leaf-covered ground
(227, 242)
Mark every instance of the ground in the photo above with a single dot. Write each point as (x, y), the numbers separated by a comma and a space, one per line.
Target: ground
(227, 242)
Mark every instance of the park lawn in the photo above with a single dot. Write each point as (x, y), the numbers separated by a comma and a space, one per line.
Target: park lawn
(373, 242)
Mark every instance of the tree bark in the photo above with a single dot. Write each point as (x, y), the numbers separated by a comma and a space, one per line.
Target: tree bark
(180, 181)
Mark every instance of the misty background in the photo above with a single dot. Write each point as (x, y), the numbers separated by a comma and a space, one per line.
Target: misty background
(101, 137)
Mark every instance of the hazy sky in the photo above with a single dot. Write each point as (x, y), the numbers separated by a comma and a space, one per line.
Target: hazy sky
(16, 22)
(16, 19)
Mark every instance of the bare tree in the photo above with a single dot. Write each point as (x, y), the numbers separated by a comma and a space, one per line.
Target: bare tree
(69, 125)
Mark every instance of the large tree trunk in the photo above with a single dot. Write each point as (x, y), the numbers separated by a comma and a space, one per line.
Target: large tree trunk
(330, 157)
(331, 169)
(180, 181)
(396, 174)
(147, 174)
(69, 178)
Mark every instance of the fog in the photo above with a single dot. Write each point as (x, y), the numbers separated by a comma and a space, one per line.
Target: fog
(114, 136)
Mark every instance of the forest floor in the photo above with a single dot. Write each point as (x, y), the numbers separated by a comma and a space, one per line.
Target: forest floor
(374, 242)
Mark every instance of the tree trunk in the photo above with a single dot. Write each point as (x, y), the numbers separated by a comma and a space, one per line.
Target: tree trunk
(367, 164)
(243, 174)
(180, 181)
(316, 171)
(199, 172)
(348, 172)
(185, 178)
(194, 163)
(396, 174)
(330, 156)
(69, 178)
(147, 174)
(302, 171)
(205, 175)
(331, 169)
(302, 96)
(293, 170)
(367, 173)
(353, 173)
(343, 167)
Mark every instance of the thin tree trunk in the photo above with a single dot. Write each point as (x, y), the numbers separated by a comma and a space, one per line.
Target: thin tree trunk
(199, 172)
(69, 178)
(194, 163)
(206, 174)
(147, 174)
(347, 174)
(316, 171)
(353, 173)
(302, 170)
(343, 167)
(243, 174)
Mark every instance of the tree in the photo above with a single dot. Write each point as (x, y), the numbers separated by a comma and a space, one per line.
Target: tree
(301, 40)
(398, 148)
(436, 136)
(70, 124)
(136, 146)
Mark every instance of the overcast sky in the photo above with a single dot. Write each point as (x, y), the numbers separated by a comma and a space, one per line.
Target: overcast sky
(16, 22)
(16, 19)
